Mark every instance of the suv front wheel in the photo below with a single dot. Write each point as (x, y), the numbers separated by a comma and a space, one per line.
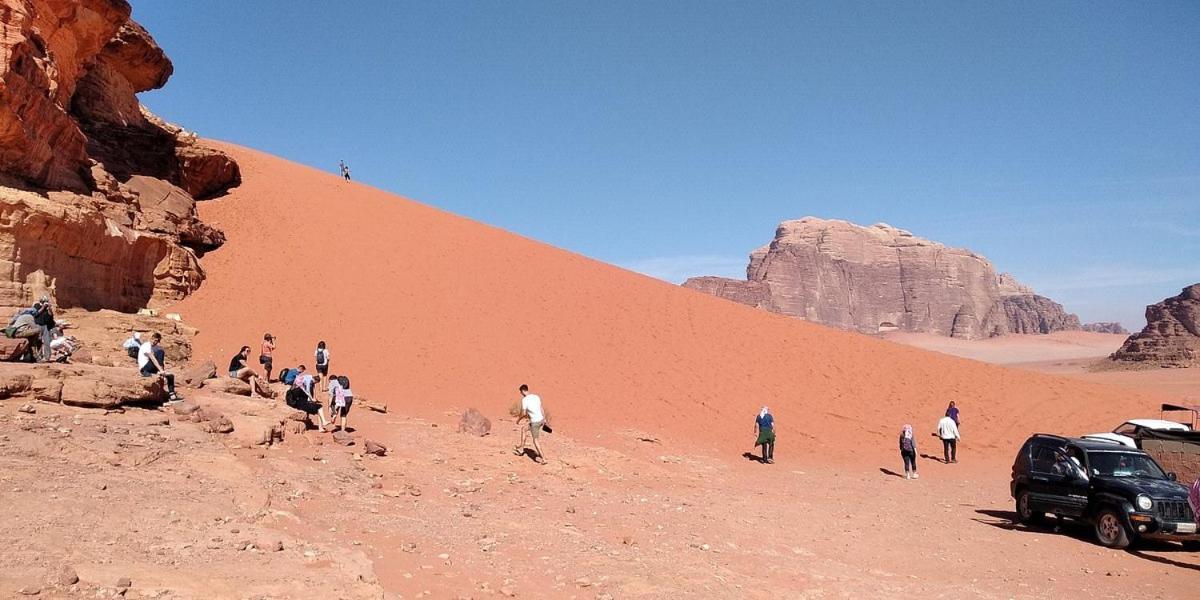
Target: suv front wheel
(1110, 530)
(1025, 514)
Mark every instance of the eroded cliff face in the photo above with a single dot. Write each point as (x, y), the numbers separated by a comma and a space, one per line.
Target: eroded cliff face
(880, 278)
(1172, 334)
(97, 196)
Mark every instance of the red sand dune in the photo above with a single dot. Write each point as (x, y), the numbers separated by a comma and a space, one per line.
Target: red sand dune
(431, 312)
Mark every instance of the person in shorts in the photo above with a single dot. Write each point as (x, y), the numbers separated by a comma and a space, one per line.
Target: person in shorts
(342, 399)
(322, 356)
(239, 370)
(531, 409)
(264, 358)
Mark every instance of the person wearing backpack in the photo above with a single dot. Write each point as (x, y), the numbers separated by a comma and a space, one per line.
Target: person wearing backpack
(341, 399)
(288, 376)
(908, 452)
(322, 355)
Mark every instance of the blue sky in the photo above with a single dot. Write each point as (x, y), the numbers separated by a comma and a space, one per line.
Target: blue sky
(1059, 139)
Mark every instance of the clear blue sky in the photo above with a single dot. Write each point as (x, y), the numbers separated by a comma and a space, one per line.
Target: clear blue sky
(1059, 139)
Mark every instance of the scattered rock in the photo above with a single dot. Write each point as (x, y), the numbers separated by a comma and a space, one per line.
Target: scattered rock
(124, 583)
(186, 408)
(197, 375)
(474, 423)
(27, 409)
(343, 438)
(373, 447)
(66, 576)
(30, 590)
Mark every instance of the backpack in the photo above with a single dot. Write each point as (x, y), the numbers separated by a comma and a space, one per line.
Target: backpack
(288, 376)
(322, 357)
(344, 382)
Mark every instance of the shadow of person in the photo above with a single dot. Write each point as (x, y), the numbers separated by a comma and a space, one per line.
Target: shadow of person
(889, 472)
(752, 456)
(1166, 561)
(934, 458)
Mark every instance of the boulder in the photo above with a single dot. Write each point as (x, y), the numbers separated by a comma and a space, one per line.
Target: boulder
(196, 375)
(13, 349)
(342, 437)
(881, 278)
(373, 447)
(474, 423)
(227, 385)
(1171, 337)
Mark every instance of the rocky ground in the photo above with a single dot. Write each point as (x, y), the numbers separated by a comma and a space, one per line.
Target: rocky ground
(144, 503)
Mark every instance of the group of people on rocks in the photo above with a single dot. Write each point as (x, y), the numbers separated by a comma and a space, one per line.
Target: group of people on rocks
(45, 340)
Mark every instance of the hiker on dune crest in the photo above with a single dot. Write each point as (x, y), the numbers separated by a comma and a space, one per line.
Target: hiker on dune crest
(764, 427)
(345, 170)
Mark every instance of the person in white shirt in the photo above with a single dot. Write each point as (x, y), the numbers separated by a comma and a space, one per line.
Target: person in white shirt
(150, 364)
(531, 408)
(948, 431)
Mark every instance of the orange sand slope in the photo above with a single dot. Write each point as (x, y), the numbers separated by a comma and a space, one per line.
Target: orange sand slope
(432, 312)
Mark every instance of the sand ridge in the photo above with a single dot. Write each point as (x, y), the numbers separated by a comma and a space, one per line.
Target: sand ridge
(425, 309)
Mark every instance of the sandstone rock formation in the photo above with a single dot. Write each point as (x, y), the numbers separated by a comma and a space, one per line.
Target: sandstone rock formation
(1171, 337)
(80, 385)
(474, 423)
(96, 193)
(1105, 327)
(881, 278)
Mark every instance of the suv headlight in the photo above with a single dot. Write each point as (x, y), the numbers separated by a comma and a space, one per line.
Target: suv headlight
(1144, 502)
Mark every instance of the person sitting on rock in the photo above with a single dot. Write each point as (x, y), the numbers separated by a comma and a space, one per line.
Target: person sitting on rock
(150, 363)
(239, 370)
(132, 345)
(300, 396)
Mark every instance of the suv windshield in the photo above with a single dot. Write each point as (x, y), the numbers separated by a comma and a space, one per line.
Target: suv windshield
(1123, 464)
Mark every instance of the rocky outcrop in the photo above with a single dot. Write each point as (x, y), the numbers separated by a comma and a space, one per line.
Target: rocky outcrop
(882, 278)
(1105, 327)
(84, 386)
(96, 194)
(1171, 337)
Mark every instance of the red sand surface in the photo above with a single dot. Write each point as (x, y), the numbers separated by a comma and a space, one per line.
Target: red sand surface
(427, 311)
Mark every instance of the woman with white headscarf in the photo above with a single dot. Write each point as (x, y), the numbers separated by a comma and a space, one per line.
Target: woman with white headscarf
(764, 426)
(908, 452)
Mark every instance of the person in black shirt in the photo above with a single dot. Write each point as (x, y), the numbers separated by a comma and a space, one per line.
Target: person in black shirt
(239, 370)
(44, 317)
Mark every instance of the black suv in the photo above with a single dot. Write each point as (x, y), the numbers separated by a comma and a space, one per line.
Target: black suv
(1121, 491)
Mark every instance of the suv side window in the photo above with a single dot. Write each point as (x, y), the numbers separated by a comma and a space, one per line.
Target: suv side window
(1043, 458)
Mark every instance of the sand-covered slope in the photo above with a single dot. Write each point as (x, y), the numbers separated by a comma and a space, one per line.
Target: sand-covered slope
(430, 311)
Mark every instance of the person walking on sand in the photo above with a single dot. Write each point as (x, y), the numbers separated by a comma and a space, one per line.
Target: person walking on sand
(908, 452)
(239, 370)
(764, 427)
(948, 431)
(151, 357)
(345, 170)
(531, 408)
(341, 399)
(952, 412)
(265, 358)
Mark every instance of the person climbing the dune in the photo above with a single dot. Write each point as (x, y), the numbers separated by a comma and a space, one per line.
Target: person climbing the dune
(151, 357)
(764, 428)
(947, 430)
(322, 355)
(531, 409)
(265, 358)
(908, 452)
(345, 170)
(952, 412)
(239, 370)
(341, 398)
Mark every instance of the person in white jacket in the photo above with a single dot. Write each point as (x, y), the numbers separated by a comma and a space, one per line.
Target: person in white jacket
(948, 431)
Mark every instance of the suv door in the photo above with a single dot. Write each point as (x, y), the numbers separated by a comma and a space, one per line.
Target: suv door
(1054, 484)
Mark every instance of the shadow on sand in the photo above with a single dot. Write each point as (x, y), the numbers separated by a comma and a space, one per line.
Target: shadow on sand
(754, 457)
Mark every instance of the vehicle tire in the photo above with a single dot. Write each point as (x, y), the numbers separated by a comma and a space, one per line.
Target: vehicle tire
(1025, 514)
(1110, 531)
